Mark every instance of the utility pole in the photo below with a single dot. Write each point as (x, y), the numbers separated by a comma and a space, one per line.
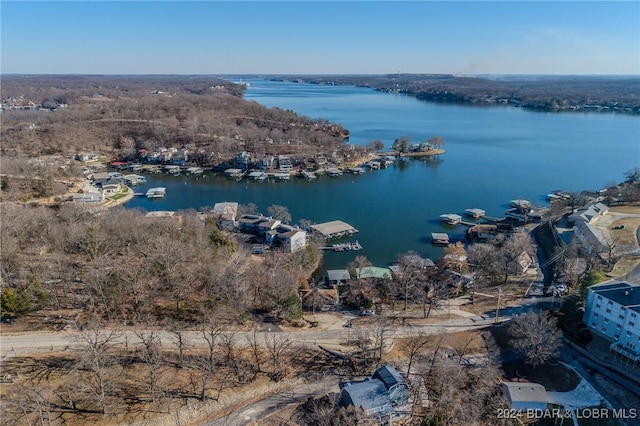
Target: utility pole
(498, 307)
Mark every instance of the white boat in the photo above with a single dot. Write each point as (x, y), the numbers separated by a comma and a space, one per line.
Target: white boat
(158, 192)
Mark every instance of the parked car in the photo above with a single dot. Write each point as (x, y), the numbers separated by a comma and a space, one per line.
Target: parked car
(366, 313)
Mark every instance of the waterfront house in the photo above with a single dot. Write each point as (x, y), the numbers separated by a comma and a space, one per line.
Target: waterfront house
(612, 311)
(249, 222)
(225, 215)
(88, 198)
(589, 214)
(319, 298)
(269, 224)
(284, 164)
(266, 162)
(338, 276)
(525, 396)
(112, 186)
(290, 237)
(243, 159)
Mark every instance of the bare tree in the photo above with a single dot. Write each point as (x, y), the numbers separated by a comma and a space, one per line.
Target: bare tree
(279, 212)
(278, 348)
(536, 336)
(151, 355)
(254, 345)
(413, 346)
(94, 346)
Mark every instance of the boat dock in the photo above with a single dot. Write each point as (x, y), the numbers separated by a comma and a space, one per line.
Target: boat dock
(343, 247)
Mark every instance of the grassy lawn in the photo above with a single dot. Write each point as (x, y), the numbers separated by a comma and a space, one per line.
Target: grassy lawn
(119, 196)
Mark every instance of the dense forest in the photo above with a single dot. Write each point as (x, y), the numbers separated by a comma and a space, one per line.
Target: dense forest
(117, 115)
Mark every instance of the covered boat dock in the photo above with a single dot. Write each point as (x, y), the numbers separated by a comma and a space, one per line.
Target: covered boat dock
(334, 229)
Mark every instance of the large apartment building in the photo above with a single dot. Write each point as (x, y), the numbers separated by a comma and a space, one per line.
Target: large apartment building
(613, 312)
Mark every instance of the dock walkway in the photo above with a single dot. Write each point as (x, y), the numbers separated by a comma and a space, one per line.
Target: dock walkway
(343, 247)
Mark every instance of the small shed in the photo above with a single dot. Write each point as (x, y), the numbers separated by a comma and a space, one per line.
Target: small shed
(525, 396)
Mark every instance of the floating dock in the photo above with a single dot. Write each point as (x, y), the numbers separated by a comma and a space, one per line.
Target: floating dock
(439, 238)
(451, 218)
(474, 213)
(344, 247)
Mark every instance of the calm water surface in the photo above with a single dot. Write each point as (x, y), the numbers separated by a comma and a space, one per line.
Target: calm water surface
(494, 154)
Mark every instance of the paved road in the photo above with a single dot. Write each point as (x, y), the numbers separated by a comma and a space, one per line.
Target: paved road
(39, 342)
(586, 367)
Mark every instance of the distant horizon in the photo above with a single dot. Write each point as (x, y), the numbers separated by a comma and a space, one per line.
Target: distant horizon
(460, 38)
(258, 74)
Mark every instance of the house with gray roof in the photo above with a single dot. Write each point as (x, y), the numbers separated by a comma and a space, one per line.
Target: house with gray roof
(377, 396)
(370, 396)
(589, 214)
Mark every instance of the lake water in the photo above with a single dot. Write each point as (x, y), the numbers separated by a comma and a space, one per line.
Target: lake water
(493, 155)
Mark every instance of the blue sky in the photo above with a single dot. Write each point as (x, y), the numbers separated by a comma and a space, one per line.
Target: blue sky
(305, 37)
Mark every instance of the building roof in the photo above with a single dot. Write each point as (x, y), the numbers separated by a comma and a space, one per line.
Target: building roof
(338, 274)
(160, 213)
(622, 293)
(269, 224)
(328, 296)
(525, 392)
(225, 208)
(594, 237)
(373, 272)
(368, 394)
(333, 228)
(389, 376)
(251, 219)
(589, 213)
